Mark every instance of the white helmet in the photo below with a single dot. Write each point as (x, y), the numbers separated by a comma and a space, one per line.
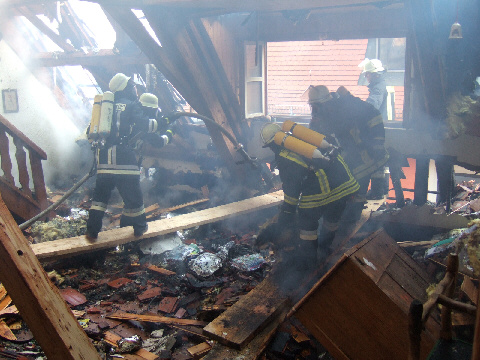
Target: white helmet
(371, 66)
(119, 82)
(268, 132)
(319, 94)
(149, 100)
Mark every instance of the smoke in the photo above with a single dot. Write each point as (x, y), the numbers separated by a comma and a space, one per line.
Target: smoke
(44, 122)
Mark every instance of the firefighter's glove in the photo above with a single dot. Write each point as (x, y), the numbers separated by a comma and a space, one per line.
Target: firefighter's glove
(169, 134)
(169, 118)
(320, 163)
(333, 152)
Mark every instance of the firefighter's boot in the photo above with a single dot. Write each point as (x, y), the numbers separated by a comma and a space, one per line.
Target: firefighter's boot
(325, 243)
(307, 255)
(377, 189)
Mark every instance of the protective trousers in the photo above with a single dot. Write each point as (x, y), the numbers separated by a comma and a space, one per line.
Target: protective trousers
(129, 188)
(308, 223)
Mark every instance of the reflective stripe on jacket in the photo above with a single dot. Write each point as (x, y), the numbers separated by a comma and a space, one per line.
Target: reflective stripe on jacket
(309, 187)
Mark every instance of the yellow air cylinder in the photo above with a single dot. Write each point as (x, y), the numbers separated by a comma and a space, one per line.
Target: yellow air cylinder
(296, 145)
(95, 120)
(303, 133)
(106, 114)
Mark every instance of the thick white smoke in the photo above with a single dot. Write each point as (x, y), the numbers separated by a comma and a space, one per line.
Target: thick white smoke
(42, 120)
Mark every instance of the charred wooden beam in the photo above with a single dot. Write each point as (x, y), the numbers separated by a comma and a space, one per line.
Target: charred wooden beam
(324, 24)
(178, 60)
(103, 57)
(229, 6)
(429, 62)
(40, 25)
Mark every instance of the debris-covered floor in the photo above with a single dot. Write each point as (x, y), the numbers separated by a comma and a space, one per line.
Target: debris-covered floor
(151, 299)
(170, 287)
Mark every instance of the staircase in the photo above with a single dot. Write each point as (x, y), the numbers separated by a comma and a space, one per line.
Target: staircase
(23, 201)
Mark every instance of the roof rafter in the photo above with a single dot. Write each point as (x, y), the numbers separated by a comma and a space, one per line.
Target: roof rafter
(103, 57)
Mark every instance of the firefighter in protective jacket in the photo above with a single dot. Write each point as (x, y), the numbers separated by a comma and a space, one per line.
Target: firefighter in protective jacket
(359, 129)
(316, 188)
(117, 164)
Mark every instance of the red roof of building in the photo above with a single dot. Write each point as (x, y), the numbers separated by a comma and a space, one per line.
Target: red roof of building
(293, 66)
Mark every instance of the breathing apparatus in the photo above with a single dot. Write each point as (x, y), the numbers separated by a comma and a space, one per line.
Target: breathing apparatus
(299, 139)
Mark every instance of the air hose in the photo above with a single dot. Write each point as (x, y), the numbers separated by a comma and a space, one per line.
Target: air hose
(239, 147)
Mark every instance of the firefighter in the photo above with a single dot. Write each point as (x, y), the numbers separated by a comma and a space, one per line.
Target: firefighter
(117, 164)
(359, 129)
(374, 73)
(160, 132)
(316, 187)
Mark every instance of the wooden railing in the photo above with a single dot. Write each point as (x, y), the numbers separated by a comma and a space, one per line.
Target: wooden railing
(22, 201)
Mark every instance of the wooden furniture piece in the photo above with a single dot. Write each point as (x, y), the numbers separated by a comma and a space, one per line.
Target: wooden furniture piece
(420, 312)
(359, 309)
(20, 199)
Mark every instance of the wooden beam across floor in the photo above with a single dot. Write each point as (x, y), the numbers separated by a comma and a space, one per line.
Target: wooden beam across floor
(107, 239)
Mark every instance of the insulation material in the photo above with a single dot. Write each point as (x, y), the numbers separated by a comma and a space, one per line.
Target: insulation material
(463, 116)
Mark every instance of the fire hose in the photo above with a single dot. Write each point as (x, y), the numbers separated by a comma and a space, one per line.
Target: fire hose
(264, 170)
(62, 199)
(239, 147)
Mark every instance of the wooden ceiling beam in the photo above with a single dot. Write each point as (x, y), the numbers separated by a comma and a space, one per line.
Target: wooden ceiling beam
(229, 6)
(103, 57)
(180, 63)
(40, 25)
(329, 25)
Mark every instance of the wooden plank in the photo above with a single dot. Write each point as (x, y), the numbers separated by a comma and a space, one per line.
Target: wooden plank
(470, 289)
(3, 292)
(5, 332)
(155, 319)
(39, 301)
(199, 350)
(248, 316)
(6, 301)
(253, 350)
(423, 216)
(111, 238)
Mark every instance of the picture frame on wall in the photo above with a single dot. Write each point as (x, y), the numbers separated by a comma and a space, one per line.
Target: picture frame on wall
(10, 100)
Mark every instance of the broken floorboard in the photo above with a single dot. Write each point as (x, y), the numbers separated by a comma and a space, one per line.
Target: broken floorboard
(111, 238)
(238, 325)
(254, 348)
(39, 301)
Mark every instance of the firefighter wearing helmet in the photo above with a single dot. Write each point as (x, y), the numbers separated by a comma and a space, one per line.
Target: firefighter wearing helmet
(374, 73)
(117, 165)
(358, 127)
(160, 132)
(316, 184)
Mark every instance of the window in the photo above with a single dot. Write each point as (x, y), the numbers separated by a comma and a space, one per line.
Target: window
(254, 79)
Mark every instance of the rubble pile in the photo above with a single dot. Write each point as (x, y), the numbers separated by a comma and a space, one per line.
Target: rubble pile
(131, 300)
